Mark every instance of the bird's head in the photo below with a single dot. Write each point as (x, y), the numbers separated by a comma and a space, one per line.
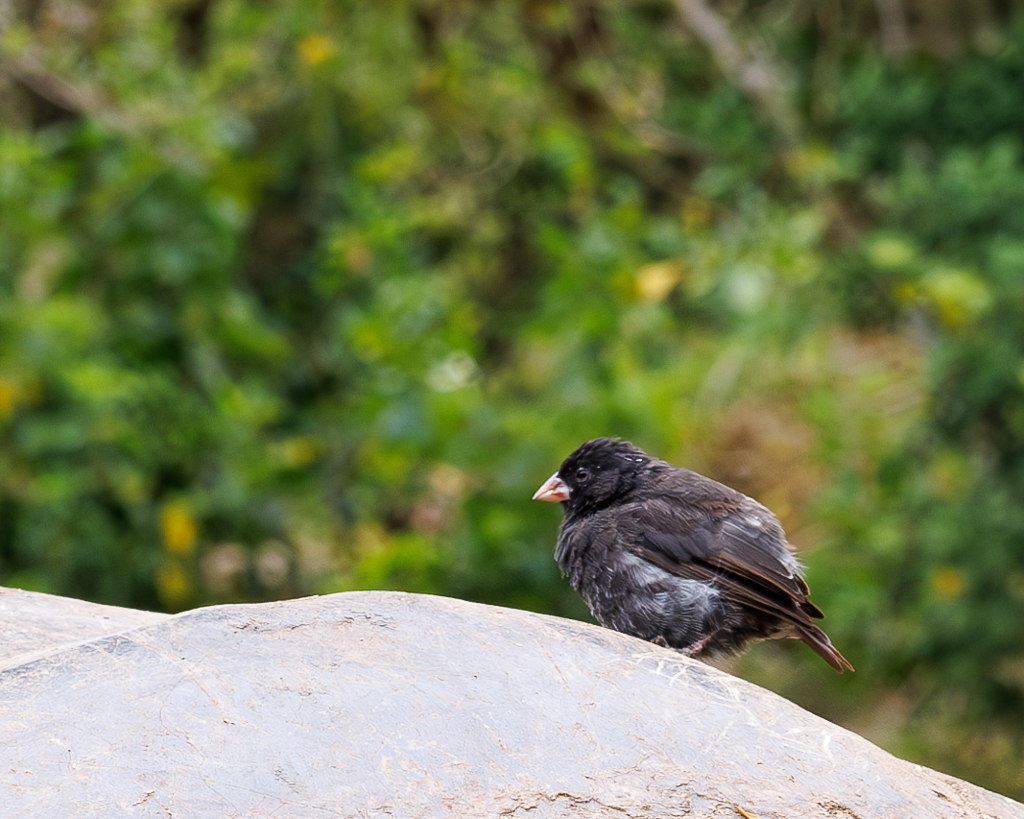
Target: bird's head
(598, 472)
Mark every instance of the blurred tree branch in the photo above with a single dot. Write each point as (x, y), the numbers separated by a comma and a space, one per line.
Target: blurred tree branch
(892, 24)
(73, 97)
(752, 72)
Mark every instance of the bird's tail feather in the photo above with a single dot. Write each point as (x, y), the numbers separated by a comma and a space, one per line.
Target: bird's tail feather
(818, 640)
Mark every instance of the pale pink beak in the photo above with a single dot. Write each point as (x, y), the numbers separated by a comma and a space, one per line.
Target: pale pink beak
(554, 490)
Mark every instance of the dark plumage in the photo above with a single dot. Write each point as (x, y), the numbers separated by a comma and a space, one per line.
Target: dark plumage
(673, 557)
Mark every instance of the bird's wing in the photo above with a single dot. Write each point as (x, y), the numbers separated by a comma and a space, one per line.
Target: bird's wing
(703, 530)
(740, 546)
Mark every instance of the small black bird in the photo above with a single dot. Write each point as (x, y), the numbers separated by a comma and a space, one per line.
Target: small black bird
(673, 557)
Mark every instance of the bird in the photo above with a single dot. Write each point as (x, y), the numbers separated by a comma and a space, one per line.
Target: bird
(673, 557)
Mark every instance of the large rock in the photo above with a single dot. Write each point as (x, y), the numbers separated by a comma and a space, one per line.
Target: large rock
(385, 704)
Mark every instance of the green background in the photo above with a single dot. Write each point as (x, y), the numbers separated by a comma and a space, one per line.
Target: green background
(303, 297)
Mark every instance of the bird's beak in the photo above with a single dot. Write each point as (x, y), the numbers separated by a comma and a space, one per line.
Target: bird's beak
(554, 490)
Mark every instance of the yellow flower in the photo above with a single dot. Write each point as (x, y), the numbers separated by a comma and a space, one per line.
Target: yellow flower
(948, 582)
(656, 280)
(172, 585)
(315, 49)
(8, 397)
(179, 528)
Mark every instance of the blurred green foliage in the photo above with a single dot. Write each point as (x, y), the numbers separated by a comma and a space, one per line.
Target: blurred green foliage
(311, 296)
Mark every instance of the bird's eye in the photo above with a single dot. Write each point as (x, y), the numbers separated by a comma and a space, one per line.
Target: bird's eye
(582, 474)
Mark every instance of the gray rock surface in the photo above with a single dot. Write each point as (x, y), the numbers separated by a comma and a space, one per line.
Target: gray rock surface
(370, 704)
(34, 623)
